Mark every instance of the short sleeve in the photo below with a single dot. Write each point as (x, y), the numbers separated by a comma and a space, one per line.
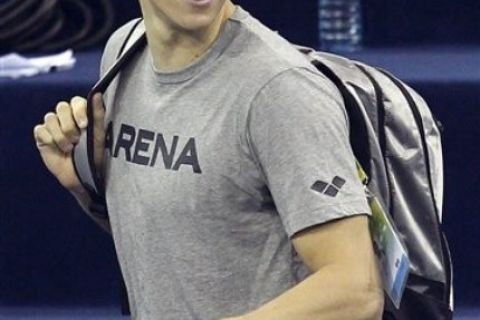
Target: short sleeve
(297, 131)
(113, 45)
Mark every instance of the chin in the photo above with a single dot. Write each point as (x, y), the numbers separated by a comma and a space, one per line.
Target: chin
(188, 15)
(200, 18)
(197, 21)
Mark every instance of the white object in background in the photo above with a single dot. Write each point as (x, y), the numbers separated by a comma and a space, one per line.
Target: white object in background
(15, 66)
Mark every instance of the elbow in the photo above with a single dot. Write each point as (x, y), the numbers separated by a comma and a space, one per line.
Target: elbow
(372, 308)
(359, 300)
(367, 304)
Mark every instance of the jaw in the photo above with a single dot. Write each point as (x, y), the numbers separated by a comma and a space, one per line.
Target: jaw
(187, 16)
(179, 32)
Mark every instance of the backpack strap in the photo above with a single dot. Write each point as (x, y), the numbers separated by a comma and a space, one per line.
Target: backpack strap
(135, 33)
(83, 153)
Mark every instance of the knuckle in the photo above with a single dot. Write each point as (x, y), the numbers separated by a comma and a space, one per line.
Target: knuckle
(99, 114)
(36, 130)
(49, 117)
(39, 128)
(70, 132)
(78, 101)
(81, 113)
(62, 107)
(62, 141)
(79, 105)
(80, 116)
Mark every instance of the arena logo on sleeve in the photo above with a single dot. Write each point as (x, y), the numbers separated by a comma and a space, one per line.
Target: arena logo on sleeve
(142, 147)
(329, 189)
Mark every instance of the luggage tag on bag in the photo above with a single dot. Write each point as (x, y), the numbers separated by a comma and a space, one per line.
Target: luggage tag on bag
(389, 249)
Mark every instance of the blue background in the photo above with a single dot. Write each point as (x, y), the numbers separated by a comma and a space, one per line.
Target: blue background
(51, 254)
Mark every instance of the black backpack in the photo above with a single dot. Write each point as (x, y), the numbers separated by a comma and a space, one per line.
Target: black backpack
(396, 140)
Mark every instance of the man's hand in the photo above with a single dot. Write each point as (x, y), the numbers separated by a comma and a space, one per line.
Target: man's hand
(57, 136)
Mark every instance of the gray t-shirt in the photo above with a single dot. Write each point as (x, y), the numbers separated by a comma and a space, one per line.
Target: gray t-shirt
(212, 169)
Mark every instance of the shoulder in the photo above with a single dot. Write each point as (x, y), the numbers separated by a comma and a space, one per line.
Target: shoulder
(302, 96)
(275, 67)
(300, 83)
(263, 51)
(114, 44)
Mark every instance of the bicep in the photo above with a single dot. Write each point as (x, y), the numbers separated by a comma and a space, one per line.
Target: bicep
(340, 254)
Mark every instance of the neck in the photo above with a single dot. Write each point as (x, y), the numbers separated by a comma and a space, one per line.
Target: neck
(174, 48)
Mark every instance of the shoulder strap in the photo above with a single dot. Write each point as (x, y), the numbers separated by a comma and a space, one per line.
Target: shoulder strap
(137, 30)
(83, 154)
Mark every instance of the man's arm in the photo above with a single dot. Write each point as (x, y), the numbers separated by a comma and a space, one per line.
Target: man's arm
(345, 283)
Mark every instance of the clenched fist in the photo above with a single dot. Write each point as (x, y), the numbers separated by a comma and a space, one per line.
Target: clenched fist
(60, 132)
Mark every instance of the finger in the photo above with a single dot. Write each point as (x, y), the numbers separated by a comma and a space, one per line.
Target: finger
(42, 136)
(53, 126)
(67, 123)
(79, 110)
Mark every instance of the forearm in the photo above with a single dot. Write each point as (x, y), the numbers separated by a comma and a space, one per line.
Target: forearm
(330, 293)
(84, 201)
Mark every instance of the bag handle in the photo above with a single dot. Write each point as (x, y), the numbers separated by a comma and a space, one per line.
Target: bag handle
(83, 153)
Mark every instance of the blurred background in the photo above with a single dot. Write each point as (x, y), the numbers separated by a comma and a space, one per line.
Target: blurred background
(396, 23)
(52, 256)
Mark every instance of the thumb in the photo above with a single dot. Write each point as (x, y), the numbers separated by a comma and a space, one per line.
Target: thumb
(99, 128)
(98, 113)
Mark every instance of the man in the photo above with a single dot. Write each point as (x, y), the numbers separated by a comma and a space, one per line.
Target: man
(230, 182)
